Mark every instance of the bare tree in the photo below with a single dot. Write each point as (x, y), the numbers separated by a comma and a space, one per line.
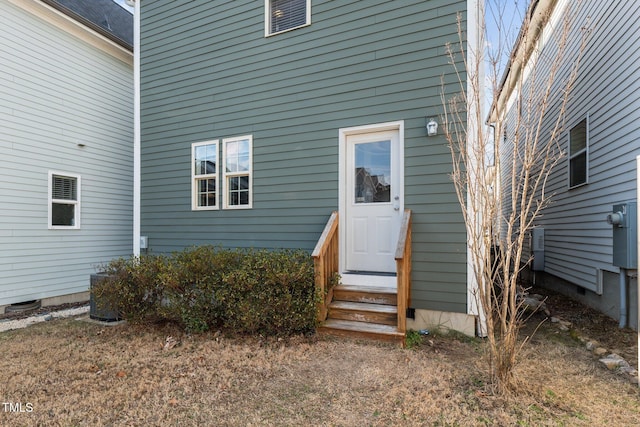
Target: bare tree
(501, 196)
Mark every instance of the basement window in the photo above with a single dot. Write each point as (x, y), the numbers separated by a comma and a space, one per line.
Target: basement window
(286, 15)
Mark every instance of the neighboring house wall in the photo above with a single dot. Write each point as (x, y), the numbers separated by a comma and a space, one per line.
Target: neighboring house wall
(578, 240)
(66, 105)
(209, 73)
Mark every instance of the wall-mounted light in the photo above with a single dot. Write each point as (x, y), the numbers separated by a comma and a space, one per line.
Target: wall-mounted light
(432, 127)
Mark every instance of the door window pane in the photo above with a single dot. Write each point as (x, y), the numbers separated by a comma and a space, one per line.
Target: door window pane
(372, 172)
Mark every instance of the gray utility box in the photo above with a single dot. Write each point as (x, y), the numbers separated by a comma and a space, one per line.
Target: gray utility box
(537, 248)
(624, 219)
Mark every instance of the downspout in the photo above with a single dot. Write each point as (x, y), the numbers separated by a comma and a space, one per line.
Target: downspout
(623, 297)
(638, 252)
(136, 126)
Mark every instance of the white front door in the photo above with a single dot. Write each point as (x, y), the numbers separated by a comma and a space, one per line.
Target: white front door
(372, 201)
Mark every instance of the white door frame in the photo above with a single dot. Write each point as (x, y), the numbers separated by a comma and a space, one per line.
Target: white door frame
(342, 174)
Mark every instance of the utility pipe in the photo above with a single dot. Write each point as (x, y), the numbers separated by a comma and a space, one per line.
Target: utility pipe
(623, 297)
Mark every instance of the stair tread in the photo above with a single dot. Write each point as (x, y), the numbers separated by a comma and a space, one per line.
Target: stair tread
(350, 325)
(368, 289)
(363, 306)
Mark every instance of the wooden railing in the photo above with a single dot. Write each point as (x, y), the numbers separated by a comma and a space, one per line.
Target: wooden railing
(403, 270)
(325, 262)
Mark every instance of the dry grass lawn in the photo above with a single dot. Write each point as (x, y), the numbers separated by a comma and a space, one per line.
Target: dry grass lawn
(72, 373)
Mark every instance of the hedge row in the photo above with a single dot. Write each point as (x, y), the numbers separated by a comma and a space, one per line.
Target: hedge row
(247, 291)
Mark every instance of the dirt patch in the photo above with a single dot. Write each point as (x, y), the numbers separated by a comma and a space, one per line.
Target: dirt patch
(69, 372)
(588, 323)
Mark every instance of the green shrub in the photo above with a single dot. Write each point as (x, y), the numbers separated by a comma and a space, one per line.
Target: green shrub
(271, 293)
(246, 291)
(135, 286)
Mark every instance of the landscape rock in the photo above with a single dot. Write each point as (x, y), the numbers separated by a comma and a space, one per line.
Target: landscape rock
(533, 304)
(600, 351)
(613, 361)
(10, 324)
(629, 370)
(591, 345)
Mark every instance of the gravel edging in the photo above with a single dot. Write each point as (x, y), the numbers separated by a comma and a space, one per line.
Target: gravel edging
(10, 324)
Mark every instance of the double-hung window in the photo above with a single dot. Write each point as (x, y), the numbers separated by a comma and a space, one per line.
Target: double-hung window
(579, 154)
(205, 175)
(285, 15)
(64, 201)
(237, 157)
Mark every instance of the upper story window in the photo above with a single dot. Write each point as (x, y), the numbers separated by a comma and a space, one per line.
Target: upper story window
(579, 154)
(64, 201)
(237, 157)
(285, 15)
(204, 190)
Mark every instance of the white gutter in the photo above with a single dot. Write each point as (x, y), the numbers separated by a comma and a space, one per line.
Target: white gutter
(136, 127)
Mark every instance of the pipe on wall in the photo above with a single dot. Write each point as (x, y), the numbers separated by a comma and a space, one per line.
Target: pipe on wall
(623, 298)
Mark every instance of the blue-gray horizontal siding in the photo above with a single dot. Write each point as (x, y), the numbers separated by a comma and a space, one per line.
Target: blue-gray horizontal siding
(208, 73)
(56, 92)
(578, 241)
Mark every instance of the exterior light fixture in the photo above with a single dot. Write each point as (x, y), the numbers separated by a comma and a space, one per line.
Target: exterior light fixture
(432, 127)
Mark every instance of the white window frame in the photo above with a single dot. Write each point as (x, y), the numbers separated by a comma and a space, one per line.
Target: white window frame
(585, 150)
(195, 178)
(227, 175)
(267, 19)
(76, 203)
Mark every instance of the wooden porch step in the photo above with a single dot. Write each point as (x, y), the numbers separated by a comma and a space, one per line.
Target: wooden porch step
(364, 312)
(366, 294)
(362, 330)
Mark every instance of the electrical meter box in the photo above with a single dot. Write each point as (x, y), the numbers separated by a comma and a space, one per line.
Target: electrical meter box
(624, 220)
(537, 248)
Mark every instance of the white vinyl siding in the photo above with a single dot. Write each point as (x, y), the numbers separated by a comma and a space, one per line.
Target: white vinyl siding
(286, 15)
(64, 201)
(578, 240)
(237, 157)
(205, 175)
(65, 106)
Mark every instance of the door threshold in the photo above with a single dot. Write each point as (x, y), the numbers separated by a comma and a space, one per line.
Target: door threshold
(386, 280)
